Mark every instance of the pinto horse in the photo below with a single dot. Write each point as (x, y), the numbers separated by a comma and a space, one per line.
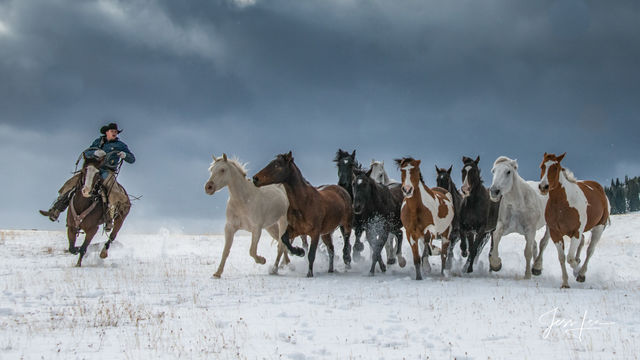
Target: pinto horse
(87, 210)
(426, 213)
(379, 206)
(316, 212)
(478, 214)
(574, 207)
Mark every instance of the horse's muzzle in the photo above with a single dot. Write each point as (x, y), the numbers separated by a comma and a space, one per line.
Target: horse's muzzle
(209, 188)
(544, 188)
(256, 181)
(407, 191)
(495, 194)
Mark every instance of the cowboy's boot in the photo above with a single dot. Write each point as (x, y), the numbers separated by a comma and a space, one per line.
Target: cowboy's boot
(58, 206)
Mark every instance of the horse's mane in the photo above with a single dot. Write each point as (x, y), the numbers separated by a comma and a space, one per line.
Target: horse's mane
(341, 154)
(502, 159)
(242, 167)
(408, 159)
(569, 175)
(476, 165)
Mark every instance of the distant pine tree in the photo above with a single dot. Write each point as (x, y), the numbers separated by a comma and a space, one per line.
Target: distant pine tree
(633, 194)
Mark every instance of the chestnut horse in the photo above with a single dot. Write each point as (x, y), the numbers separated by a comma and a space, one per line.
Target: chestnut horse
(86, 210)
(316, 212)
(426, 213)
(574, 207)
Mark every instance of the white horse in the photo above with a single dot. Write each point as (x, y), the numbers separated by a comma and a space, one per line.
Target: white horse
(379, 175)
(249, 208)
(521, 211)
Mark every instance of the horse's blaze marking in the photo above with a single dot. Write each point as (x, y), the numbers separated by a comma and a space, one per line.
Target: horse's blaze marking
(88, 180)
(359, 182)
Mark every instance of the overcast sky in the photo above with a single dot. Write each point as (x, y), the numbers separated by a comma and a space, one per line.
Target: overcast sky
(433, 79)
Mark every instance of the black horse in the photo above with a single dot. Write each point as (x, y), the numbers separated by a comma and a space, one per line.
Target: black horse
(379, 208)
(478, 214)
(444, 181)
(347, 164)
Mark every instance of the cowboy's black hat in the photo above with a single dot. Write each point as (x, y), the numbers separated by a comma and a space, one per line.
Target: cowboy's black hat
(110, 126)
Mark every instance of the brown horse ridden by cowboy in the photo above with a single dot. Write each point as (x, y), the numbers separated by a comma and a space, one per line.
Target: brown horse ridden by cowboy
(111, 150)
(426, 213)
(574, 207)
(316, 212)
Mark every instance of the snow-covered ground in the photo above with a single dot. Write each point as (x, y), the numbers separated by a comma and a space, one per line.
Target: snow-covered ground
(154, 297)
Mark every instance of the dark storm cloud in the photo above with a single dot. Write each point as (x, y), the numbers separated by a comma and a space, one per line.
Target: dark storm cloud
(436, 80)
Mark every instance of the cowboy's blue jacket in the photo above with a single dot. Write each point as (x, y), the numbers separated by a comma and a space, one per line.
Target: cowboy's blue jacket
(112, 148)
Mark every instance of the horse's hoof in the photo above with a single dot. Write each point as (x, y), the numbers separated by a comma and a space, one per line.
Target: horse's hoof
(391, 261)
(383, 268)
(298, 252)
(402, 262)
(217, 276)
(358, 246)
(565, 286)
(536, 272)
(580, 278)
(418, 277)
(103, 254)
(310, 274)
(527, 276)
(331, 271)
(496, 268)
(260, 260)
(74, 250)
(371, 273)
(346, 259)
(464, 253)
(273, 270)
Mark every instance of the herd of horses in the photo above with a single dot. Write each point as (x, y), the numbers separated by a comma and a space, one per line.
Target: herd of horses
(281, 201)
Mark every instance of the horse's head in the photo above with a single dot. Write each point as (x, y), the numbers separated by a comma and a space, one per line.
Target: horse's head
(220, 171)
(346, 164)
(377, 172)
(411, 176)
(91, 174)
(443, 179)
(550, 169)
(276, 172)
(362, 190)
(470, 175)
(504, 171)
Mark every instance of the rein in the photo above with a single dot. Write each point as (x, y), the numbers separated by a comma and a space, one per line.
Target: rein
(77, 219)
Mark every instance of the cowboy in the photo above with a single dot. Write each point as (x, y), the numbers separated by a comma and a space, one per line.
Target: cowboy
(108, 145)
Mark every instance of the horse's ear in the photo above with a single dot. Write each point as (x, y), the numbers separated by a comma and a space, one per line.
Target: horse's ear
(437, 170)
(353, 154)
(289, 156)
(545, 154)
(477, 160)
(418, 162)
(369, 172)
(450, 168)
(373, 161)
(514, 163)
(213, 157)
(561, 157)
(382, 162)
(224, 156)
(465, 159)
(398, 162)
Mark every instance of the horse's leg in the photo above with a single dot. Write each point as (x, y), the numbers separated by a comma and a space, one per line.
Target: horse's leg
(391, 258)
(358, 246)
(229, 232)
(537, 265)
(453, 239)
(89, 234)
(328, 242)
(445, 251)
(305, 242)
(495, 262)
(426, 252)
(253, 249)
(580, 248)
(558, 241)
(571, 254)
(530, 237)
(286, 241)
(481, 242)
(596, 233)
(464, 244)
(72, 235)
(416, 255)
(471, 238)
(346, 249)
(117, 225)
(312, 253)
(274, 231)
(401, 260)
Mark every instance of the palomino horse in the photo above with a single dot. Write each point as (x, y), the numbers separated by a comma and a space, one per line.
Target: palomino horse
(521, 211)
(478, 214)
(86, 210)
(379, 206)
(426, 213)
(574, 207)
(444, 181)
(249, 208)
(312, 211)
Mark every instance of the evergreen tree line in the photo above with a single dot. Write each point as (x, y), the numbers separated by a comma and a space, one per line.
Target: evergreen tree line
(624, 197)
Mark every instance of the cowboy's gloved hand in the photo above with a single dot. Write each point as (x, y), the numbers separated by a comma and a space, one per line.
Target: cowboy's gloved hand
(99, 153)
(122, 154)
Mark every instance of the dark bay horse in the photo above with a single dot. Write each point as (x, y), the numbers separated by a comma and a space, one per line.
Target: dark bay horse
(379, 207)
(86, 210)
(316, 212)
(347, 164)
(478, 214)
(444, 181)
